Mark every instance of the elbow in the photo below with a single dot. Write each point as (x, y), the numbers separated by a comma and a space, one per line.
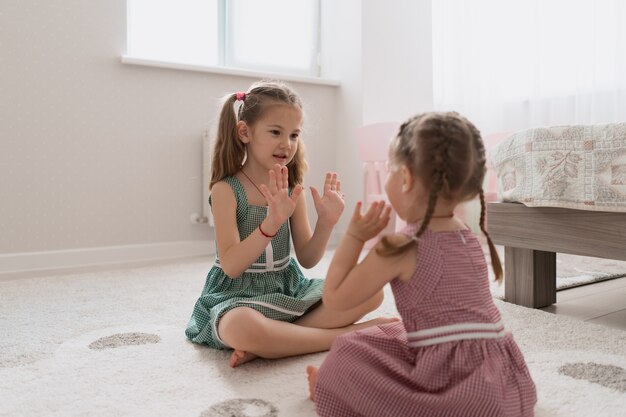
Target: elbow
(231, 272)
(305, 262)
(308, 262)
(306, 265)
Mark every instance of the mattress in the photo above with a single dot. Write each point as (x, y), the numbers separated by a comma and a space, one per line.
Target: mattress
(578, 166)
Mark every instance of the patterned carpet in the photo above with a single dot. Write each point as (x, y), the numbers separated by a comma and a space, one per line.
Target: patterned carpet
(112, 343)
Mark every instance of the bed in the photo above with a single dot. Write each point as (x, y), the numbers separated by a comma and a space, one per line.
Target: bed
(561, 190)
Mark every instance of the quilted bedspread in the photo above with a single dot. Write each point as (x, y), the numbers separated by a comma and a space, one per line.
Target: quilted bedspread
(577, 166)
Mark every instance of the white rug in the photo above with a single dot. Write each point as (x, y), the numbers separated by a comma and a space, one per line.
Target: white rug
(112, 343)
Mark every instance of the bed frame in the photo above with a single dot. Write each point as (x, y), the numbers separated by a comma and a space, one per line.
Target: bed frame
(532, 236)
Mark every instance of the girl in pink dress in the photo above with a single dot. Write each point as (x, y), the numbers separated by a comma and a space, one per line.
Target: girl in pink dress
(450, 355)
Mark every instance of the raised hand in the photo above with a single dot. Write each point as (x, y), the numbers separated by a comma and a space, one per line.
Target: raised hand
(280, 204)
(366, 226)
(330, 205)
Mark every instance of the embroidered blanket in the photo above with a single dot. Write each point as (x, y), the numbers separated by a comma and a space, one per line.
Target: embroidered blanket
(577, 166)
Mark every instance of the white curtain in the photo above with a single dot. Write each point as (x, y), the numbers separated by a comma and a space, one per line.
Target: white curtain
(514, 64)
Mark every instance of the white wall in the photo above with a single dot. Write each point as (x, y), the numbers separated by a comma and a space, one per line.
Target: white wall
(381, 52)
(98, 154)
(397, 59)
(341, 43)
(99, 158)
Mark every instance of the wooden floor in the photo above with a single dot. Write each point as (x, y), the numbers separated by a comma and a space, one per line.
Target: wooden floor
(600, 303)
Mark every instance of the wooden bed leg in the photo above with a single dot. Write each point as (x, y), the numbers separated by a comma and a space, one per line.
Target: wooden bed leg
(529, 277)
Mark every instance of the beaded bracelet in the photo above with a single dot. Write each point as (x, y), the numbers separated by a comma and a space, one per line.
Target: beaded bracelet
(265, 234)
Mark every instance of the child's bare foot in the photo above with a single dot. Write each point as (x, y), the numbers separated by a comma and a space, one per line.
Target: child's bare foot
(311, 373)
(239, 357)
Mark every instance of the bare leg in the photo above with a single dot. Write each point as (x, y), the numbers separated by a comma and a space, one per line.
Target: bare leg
(321, 318)
(311, 374)
(325, 318)
(250, 332)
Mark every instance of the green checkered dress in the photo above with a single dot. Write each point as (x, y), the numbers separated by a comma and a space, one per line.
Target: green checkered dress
(273, 285)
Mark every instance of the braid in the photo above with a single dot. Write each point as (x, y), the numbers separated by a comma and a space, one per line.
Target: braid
(440, 179)
(495, 259)
(432, 202)
(478, 175)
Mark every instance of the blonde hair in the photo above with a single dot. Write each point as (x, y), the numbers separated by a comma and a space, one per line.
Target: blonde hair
(446, 152)
(229, 152)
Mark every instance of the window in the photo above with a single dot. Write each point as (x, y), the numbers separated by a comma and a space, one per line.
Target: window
(514, 64)
(280, 36)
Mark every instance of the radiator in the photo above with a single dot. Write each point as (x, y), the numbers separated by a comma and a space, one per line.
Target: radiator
(206, 217)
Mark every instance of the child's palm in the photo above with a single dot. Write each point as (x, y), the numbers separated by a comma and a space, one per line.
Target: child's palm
(330, 205)
(370, 224)
(280, 204)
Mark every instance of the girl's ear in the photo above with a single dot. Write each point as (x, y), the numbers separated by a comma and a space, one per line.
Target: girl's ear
(407, 179)
(243, 133)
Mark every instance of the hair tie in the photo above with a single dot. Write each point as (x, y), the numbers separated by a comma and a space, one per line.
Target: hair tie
(241, 96)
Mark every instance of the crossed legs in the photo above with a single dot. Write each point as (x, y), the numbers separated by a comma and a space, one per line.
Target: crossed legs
(252, 334)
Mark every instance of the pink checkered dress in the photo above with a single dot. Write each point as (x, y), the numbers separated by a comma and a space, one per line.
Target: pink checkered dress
(450, 356)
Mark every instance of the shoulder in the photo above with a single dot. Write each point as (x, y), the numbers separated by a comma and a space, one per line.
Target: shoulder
(222, 185)
(222, 191)
(400, 265)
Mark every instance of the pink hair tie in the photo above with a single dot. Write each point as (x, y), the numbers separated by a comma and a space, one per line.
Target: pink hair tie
(241, 96)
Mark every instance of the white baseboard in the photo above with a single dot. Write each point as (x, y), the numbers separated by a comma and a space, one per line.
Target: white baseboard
(12, 263)
(107, 255)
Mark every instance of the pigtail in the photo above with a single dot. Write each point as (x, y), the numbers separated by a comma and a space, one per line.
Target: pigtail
(432, 203)
(297, 166)
(389, 249)
(228, 151)
(440, 182)
(495, 259)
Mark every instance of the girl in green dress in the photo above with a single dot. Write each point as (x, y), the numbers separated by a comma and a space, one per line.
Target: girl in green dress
(255, 299)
